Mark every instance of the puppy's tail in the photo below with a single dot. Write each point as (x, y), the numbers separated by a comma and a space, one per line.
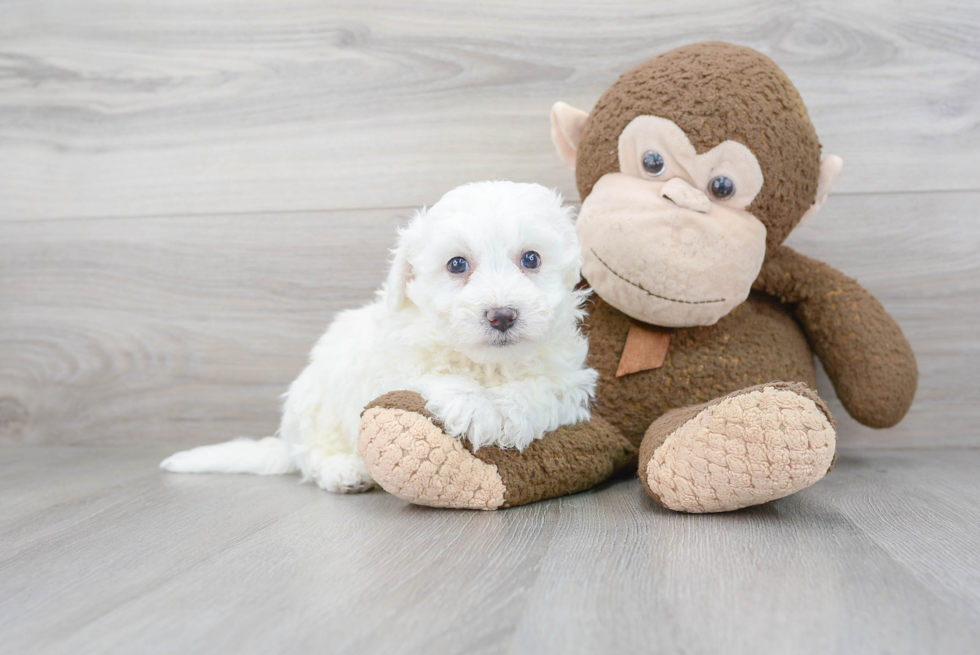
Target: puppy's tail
(269, 456)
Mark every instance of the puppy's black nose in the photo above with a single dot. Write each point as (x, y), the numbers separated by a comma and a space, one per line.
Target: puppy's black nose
(502, 318)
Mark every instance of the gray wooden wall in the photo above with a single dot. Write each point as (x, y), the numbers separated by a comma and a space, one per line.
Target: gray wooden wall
(189, 190)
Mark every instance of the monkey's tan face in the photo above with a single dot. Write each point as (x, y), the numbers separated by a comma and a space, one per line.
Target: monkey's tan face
(668, 239)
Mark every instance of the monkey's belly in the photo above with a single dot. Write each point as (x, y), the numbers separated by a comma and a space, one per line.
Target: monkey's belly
(758, 342)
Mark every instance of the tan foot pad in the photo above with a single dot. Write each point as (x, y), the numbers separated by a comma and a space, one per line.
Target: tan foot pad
(744, 450)
(413, 459)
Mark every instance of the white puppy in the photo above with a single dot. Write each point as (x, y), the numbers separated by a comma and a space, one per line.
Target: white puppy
(479, 314)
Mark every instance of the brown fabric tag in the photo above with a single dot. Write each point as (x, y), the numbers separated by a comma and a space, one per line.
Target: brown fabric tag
(646, 348)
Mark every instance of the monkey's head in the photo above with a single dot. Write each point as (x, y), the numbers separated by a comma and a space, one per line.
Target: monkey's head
(691, 167)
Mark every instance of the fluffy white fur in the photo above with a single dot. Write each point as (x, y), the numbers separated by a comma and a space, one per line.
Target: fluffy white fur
(429, 331)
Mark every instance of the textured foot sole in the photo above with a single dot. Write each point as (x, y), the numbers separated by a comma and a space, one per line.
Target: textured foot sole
(413, 459)
(745, 450)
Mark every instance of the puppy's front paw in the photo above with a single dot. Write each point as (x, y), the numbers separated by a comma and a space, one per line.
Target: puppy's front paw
(465, 411)
(518, 429)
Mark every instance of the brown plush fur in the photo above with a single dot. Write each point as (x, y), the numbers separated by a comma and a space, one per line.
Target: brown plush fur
(715, 92)
(407, 400)
(863, 350)
(573, 458)
(756, 343)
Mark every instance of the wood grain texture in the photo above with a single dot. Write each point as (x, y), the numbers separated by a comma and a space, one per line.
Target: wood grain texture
(187, 329)
(110, 108)
(171, 329)
(100, 552)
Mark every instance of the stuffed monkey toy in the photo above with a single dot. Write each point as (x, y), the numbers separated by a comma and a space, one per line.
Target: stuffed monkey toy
(693, 168)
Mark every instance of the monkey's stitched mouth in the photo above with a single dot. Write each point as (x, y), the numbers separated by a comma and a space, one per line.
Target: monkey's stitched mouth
(647, 291)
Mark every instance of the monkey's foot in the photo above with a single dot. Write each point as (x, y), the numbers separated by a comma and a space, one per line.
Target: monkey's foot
(409, 455)
(412, 458)
(748, 448)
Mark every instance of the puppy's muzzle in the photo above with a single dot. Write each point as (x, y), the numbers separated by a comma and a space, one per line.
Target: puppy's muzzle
(502, 318)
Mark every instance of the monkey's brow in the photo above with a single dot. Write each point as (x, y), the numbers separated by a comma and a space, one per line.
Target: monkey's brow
(650, 293)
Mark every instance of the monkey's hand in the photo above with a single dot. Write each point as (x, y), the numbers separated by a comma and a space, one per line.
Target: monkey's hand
(867, 358)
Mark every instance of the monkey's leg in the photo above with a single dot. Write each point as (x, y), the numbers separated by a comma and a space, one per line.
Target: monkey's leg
(750, 447)
(409, 455)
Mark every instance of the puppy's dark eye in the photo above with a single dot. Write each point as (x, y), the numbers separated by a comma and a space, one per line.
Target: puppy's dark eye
(458, 266)
(722, 187)
(530, 259)
(653, 163)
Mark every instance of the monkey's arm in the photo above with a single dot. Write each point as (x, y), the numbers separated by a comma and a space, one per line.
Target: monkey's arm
(408, 453)
(868, 359)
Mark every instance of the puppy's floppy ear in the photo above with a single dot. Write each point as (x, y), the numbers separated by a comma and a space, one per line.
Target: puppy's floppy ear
(572, 271)
(400, 273)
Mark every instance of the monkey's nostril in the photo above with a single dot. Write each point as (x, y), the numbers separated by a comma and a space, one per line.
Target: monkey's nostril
(502, 318)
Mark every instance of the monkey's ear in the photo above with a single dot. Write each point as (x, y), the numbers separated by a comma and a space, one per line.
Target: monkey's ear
(829, 170)
(567, 123)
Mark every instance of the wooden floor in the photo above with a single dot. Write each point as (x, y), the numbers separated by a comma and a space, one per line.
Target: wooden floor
(101, 553)
(190, 189)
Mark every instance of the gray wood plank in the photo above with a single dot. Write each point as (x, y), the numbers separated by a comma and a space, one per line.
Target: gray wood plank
(795, 576)
(187, 329)
(935, 512)
(31, 506)
(880, 557)
(169, 524)
(113, 109)
(165, 329)
(146, 531)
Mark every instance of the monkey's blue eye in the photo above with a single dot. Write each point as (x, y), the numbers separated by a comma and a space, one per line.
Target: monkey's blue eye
(653, 163)
(458, 266)
(530, 259)
(722, 187)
